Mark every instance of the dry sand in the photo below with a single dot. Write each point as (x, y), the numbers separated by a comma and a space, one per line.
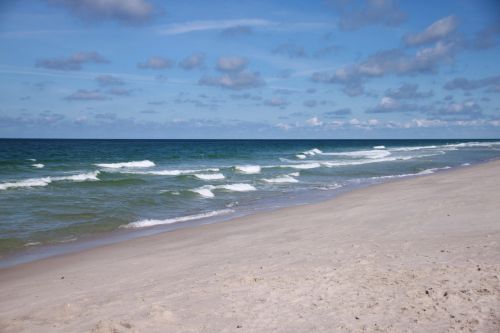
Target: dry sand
(417, 255)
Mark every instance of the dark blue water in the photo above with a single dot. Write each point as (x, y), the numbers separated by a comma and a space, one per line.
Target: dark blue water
(56, 191)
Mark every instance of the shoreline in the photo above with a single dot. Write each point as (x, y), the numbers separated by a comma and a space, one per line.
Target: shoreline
(45, 251)
(416, 254)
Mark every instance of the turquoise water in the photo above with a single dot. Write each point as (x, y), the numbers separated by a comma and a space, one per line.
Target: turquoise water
(59, 191)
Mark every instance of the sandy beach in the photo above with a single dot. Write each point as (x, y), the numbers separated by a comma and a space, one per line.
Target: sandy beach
(415, 255)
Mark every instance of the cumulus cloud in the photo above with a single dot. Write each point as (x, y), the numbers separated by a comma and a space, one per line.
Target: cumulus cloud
(338, 113)
(123, 11)
(436, 31)
(465, 110)
(276, 102)
(465, 84)
(395, 61)
(358, 14)
(290, 50)
(231, 64)
(314, 121)
(195, 60)
(86, 95)
(408, 91)
(389, 105)
(155, 63)
(109, 80)
(73, 62)
(235, 75)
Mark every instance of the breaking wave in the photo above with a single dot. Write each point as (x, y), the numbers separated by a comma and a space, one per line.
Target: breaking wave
(152, 222)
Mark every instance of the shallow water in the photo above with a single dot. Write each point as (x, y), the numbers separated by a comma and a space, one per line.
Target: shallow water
(57, 191)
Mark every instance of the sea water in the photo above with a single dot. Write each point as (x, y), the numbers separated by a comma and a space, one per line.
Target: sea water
(60, 191)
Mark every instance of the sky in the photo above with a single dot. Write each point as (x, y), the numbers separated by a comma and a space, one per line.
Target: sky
(250, 69)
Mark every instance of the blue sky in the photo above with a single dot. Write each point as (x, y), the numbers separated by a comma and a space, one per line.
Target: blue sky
(249, 69)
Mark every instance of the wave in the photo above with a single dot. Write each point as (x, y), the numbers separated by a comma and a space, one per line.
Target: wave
(38, 165)
(301, 156)
(79, 177)
(301, 166)
(150, 223)
(37, 182)
(420, 173)
(412, 148)
(171, 172)
(373, 154)
(208, 176)
(133, 164)
(281, 179)
(378, 147)
(312, 152)
(474, 144)
(240, 187)
(248, 169)
(206, 191)
(32, 182)
(329, 187)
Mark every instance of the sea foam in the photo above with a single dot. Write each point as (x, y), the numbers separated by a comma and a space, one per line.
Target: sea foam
(282, 179)
(372, 154)
(173, 172)
(133, 164)
(37, 182)
(209, 176)
(248, 169)
(302, 166)
(206, 191)
(237, 187)
(38, 165)
(150, 223)
(33, 182)
(312, 152)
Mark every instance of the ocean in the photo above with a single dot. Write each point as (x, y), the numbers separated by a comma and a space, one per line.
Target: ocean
(69, 191)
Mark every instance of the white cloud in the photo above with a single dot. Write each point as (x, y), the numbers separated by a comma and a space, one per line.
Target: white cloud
(186, 27)
(437, 30)
(314, 121)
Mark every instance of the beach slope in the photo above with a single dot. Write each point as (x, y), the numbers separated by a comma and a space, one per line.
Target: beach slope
(415, 255)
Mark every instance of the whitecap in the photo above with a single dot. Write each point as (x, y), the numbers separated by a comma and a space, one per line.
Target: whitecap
(237, 187)
(282, 179)
(92, 176)
(312, 152)
(204, 192)
(152, 222)
(32, 182)
(170, 172)
(412, 148)
(373, 154)
(133, 164)
(378, 147)
(302, 166)
(38, 165)
(209, 176)
(36, 182)
(301, 156)
(248, 169)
